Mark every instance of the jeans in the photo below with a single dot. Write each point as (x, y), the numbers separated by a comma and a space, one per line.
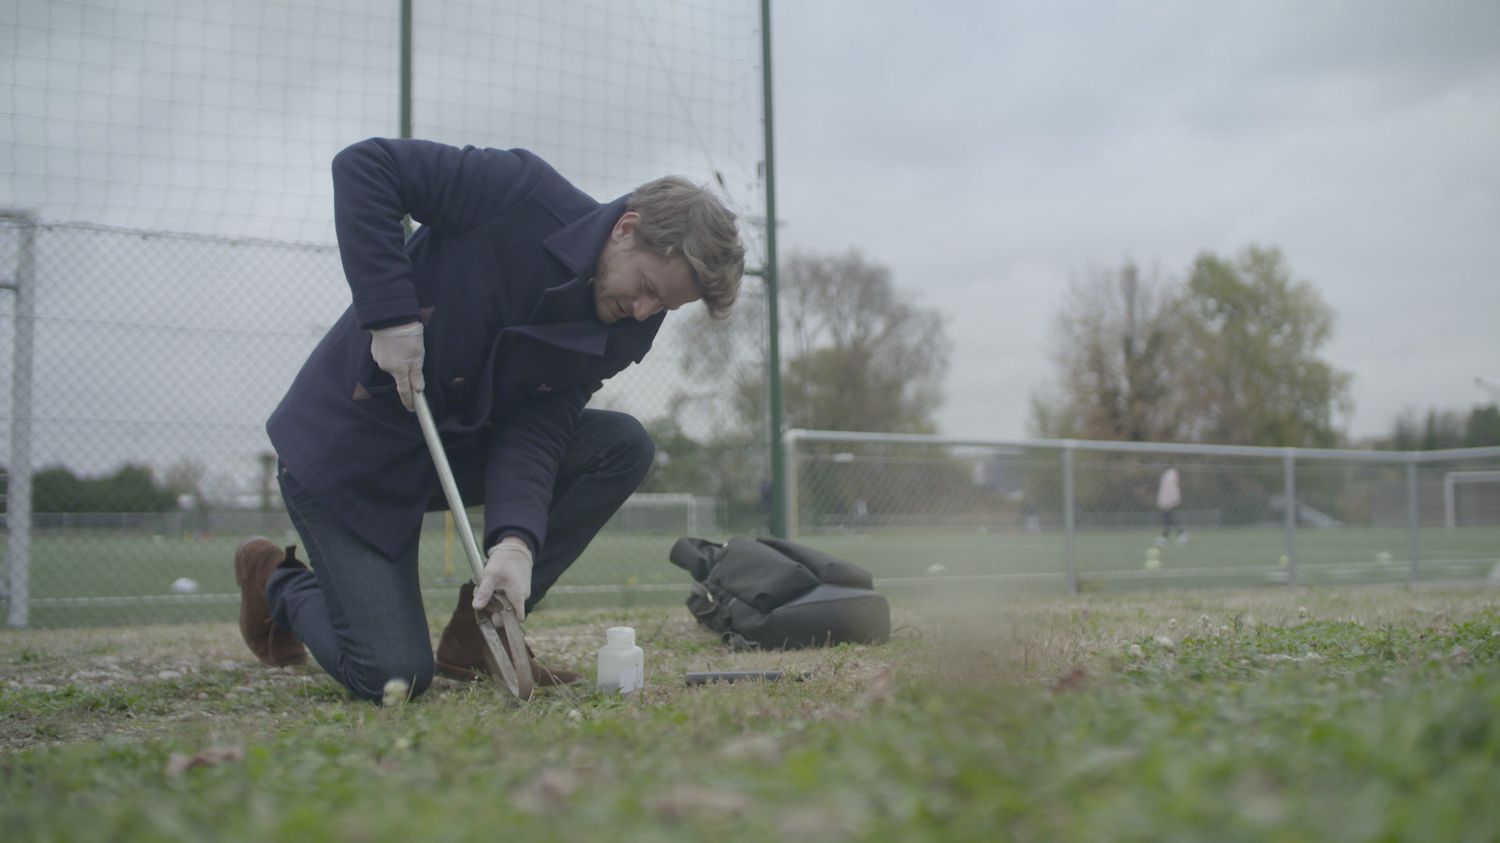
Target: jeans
(360, 611)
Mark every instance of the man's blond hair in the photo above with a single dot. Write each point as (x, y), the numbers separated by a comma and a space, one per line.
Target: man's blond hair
(682, 218)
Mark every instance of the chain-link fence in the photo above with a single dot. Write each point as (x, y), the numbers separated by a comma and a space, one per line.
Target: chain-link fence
(141, 426)
(168, 263)
(928, 510)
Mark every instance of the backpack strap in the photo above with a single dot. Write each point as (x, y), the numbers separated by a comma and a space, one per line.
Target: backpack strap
(713, 613)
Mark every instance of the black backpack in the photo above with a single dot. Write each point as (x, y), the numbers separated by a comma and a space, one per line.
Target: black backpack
(775, 594)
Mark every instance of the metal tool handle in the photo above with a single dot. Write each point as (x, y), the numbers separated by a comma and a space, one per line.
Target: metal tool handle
(508, 660)
(450, 486)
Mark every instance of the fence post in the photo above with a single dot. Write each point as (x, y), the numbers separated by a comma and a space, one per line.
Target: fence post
(1450, 515)
(1068, 548)
(1411, 517)
(788, 496)
(18, 484)
(1289, 491)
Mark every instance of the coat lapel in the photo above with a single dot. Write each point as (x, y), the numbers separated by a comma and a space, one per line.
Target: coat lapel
(578, 243)
(564, 315)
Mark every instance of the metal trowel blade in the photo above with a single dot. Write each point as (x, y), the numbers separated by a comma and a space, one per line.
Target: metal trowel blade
(505, 648)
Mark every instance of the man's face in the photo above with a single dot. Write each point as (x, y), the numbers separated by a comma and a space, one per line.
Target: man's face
(632, 283)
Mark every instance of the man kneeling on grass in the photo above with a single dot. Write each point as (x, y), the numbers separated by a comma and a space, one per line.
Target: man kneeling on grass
(517, 297)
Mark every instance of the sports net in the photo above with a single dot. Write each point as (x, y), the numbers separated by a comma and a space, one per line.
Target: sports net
(174, 161)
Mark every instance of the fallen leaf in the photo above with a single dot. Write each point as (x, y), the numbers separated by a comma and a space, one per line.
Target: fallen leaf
(181, 762)
(1070, 681)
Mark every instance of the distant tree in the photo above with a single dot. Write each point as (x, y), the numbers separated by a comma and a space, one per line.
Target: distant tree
(681, 461)
(1406, 432)
(131, 488)
(1439, 429)
(1483, 428)
(858, 354)
(57, 489)
(185, 477)
(1255, 377)
(1230, 356)
(1119, 350)
(1444, 429)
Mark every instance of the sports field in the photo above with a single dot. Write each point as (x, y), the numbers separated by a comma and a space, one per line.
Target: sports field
(86, 579)
(1345, 713)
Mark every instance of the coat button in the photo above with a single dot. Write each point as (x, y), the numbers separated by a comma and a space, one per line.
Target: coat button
(458, 381)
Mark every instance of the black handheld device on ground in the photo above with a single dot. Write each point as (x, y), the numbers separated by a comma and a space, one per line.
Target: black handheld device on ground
(740, 676)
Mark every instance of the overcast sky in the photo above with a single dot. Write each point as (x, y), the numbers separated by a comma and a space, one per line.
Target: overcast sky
(989, 152)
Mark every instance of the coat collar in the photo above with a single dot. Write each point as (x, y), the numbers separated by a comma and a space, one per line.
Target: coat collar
(578, 243)
(568, 309)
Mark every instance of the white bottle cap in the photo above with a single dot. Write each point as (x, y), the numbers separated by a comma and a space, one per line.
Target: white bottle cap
(621, 635)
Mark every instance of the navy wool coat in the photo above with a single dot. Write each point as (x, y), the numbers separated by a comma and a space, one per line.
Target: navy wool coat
(500, 271)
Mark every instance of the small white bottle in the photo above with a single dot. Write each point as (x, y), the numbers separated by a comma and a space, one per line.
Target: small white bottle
(622, 665)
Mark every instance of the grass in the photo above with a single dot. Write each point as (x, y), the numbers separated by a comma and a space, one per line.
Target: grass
(93, 565)
(1355, 713)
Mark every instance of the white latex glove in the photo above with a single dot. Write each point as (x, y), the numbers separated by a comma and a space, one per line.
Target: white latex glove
(508, 570)
(399, 351)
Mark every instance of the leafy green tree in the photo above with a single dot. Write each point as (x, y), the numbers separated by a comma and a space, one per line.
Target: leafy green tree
(1483, 427)
(1230, 355)
(1406, 432)
(1439, 429)
(1444, 429)
(681, 462)
(59, 490)
(1255, 377)
(131, 488)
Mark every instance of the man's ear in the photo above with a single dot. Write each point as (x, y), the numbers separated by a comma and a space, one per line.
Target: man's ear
(624, 230)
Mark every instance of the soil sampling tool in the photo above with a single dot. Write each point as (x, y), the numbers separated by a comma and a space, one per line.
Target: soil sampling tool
(505, 654)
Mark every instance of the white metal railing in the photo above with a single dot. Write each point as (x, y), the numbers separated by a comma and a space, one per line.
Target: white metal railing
(1289, 459)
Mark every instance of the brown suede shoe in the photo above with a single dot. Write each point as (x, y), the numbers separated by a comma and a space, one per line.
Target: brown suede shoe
(460, 652)
(254, 561)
